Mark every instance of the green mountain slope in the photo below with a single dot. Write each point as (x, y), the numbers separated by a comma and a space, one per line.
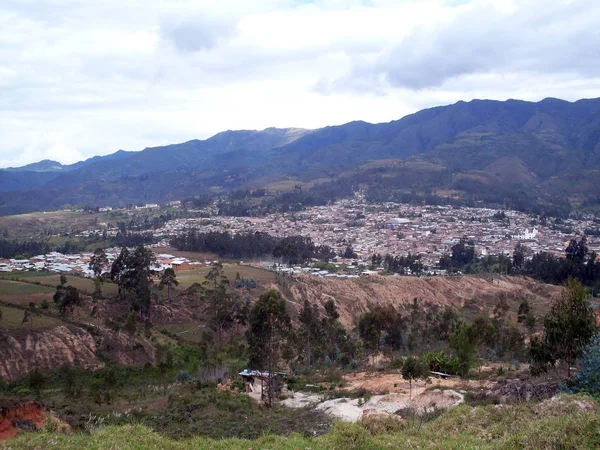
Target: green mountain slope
(512, 145)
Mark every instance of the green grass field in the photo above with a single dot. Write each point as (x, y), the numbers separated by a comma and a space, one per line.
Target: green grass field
(197, 275)
(15, 287)
(22, 275)
(12, 318)
(40, 224)
(83, 284)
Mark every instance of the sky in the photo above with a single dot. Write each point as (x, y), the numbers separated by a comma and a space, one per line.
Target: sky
(80, 78)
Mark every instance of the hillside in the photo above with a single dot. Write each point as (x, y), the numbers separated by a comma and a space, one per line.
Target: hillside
(53, 341)
(471, 295)
(514, 146)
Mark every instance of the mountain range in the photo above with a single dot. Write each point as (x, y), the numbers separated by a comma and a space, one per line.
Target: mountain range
(546, 150)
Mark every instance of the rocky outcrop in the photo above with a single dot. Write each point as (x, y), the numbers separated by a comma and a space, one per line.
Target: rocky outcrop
(516, 390)
(22, 351)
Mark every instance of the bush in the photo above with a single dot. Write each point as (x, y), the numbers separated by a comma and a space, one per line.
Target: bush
(396, 363)
(441, 362)
(184, 377)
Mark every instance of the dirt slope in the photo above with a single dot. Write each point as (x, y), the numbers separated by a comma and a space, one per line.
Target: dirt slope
(353, 296)
(22, 351)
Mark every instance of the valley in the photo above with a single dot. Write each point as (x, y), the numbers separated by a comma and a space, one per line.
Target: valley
(359, 286)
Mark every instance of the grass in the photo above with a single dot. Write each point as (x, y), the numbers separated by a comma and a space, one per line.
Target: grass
(17, 288)
(12, 318)
(197, 275)
(83, 284)
(552, 425)
(39, 224)
(21, 275)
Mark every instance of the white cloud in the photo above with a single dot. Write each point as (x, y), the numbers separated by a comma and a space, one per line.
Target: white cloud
(84, 78)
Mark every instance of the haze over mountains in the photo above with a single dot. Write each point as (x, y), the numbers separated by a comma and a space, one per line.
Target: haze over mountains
(549, 149)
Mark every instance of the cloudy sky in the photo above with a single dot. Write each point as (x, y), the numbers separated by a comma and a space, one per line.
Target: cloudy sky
(80, 78)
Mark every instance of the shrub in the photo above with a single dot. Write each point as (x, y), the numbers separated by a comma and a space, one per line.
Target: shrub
(184, 376)
(396, 363)
(441, 362)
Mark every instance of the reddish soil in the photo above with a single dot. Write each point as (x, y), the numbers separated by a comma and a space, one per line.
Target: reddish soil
(29, 415)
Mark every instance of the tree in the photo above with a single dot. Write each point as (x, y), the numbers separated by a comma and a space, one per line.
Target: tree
(577, 251)
(587, 378)
(36, 381)
(96, 297)
(119, 267)
(349, 253)
(413, 369)
(30, 313)
(519, 255)
(67, 298)
(223, 310)
(526, 317)
(334, 332)
(464, 346)
(309, 328)
(133, 273)
(26, 317)
(98, 263)
(164, 361)
(568, 328)
(168, 279)
(131, 328)
(269, 323)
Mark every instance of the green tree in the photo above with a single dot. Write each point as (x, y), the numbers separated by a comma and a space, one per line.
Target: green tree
(168, 279)
(96, 297)
(36, 381)
(164, 361)
(223, 310)
(464, 346)
(133, 274)
(67, 298)
(333, 331)
(568, 328)
(518, 258)
(27, 318)
(269, 324)
(98, 263)
(131, 328)
(526, 317)
(381, 329)
(413, 369)
(310, 330)
(587, 378)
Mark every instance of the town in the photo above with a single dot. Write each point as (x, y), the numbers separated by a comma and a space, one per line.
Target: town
(368, 228)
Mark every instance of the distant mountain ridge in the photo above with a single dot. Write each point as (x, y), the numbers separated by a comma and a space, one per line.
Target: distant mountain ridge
(482, 143)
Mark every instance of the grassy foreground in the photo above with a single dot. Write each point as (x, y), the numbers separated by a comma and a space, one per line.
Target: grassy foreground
(566, 423)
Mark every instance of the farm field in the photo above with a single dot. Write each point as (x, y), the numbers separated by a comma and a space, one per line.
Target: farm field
(13, 317)
(43, 224)
(198, 274)
(17, 288)
(85, 285)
